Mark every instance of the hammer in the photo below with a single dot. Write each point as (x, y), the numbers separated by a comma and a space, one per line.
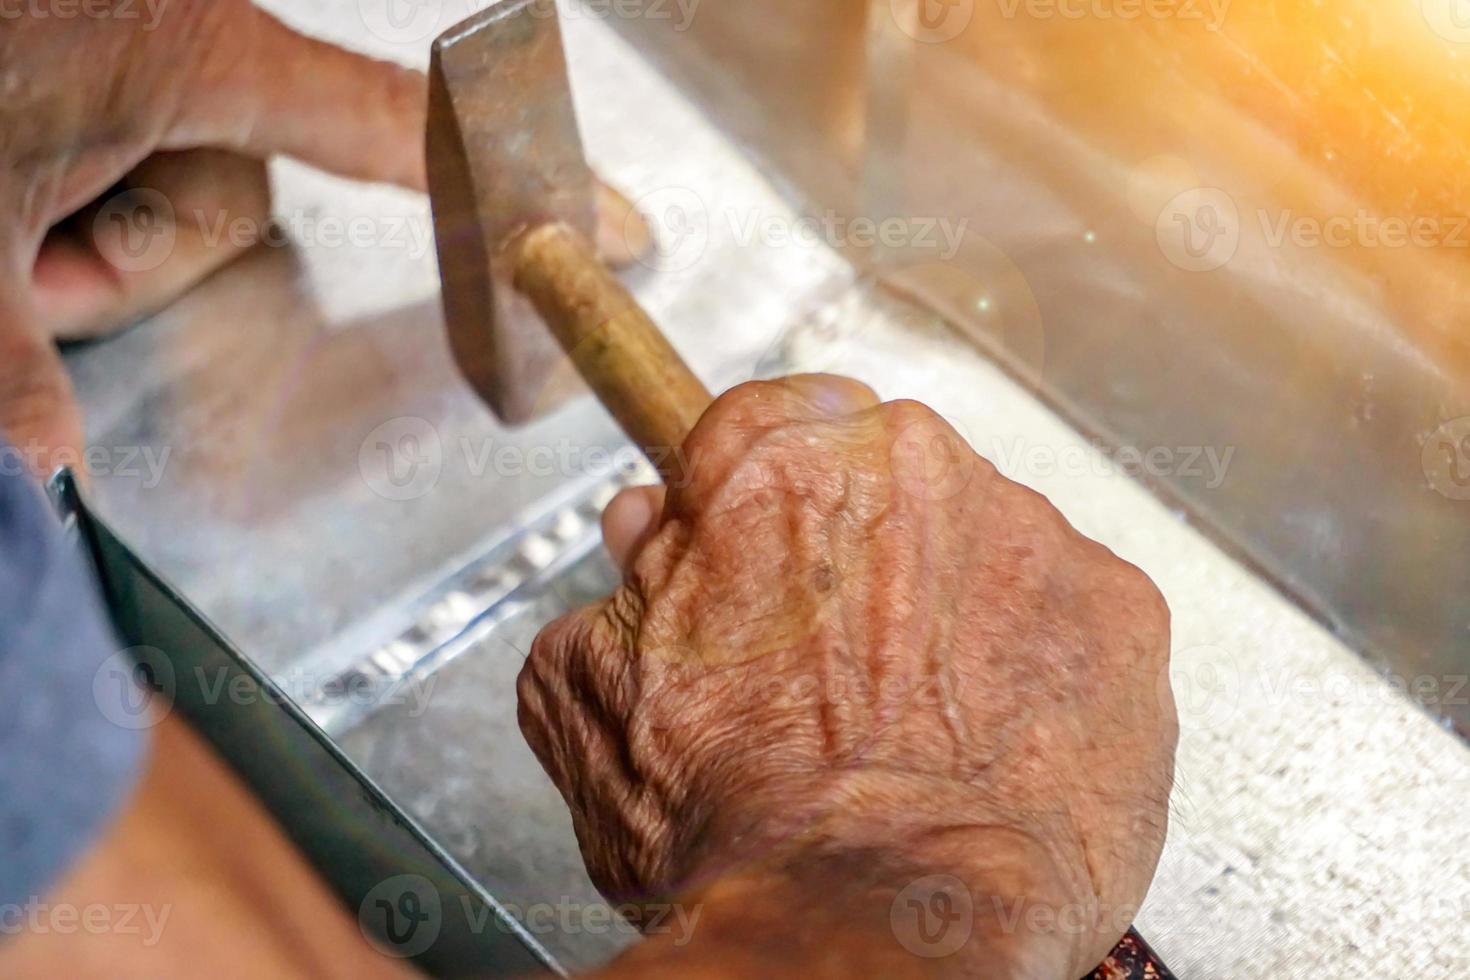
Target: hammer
(512, 197)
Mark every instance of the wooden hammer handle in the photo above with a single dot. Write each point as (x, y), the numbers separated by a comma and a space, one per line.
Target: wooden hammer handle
(621, 353)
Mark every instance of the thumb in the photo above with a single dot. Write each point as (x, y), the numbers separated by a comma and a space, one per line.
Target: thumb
(631, 518)
(283, 92)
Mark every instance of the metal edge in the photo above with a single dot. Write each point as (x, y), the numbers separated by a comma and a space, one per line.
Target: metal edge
(376, 842)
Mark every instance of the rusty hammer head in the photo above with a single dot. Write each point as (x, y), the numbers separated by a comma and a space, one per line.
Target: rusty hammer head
(504, 154)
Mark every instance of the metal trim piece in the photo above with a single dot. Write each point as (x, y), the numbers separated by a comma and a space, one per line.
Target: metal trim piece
(372, 853)
(468, 605)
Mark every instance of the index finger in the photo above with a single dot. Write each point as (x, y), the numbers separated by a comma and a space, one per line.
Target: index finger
(271, 89)
(741, 416)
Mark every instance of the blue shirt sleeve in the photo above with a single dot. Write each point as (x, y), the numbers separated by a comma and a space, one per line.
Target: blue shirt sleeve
(68, 757)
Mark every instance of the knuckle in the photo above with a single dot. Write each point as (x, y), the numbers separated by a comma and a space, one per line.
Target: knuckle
(1030, 513)
(1038, 508)
(727, 428)
(1147, 603)
(533, 714)
(547, 660)
(930, 459)
(530, 696)
(905, 412)
(916, 425)
(528, 683)
(749, 440)
(756, 404)
(530, 708)
(546, 687)
(1151, 601)
(576, 661)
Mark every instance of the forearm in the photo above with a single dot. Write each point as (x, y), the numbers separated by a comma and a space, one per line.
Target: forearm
(208, 886)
